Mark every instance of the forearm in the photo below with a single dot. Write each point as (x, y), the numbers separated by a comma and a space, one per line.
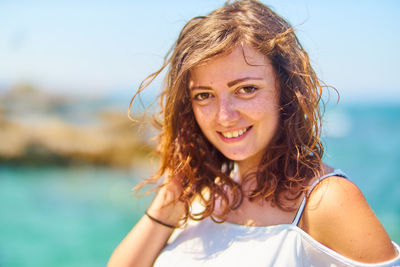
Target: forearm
(142, 245)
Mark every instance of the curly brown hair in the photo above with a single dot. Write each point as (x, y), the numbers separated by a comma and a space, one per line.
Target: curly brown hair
(293, 157)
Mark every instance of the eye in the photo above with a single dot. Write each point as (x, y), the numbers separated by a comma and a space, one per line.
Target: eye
(202, 96)
(246, 90)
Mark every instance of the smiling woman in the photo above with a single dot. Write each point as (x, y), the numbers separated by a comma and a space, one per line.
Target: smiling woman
(241, 157)
(236, 107)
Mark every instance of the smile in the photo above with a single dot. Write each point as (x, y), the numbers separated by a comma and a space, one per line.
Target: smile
(234, 134)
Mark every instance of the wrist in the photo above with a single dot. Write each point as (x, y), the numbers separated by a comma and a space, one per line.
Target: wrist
(166, 208)
(159, 221)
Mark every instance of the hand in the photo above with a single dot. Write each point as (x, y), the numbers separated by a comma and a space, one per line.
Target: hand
(166, 207)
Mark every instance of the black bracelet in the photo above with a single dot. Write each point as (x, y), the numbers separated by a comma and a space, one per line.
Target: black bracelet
(158, 221)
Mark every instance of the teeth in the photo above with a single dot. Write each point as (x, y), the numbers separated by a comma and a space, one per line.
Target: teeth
(235, 133)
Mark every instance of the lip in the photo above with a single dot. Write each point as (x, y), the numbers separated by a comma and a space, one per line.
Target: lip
(235, 139)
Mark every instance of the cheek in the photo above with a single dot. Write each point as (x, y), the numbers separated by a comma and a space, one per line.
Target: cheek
(203, 115)
(197, 114)
(265, 112)
(260, 108)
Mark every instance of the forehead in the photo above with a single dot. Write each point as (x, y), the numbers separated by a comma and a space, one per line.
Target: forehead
(236, 63)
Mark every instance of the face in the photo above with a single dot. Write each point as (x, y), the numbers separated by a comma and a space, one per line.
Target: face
(235, 103)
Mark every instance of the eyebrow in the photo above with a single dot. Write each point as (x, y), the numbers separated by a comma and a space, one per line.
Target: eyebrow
(232, 83)
(229, 84)
(200, 87)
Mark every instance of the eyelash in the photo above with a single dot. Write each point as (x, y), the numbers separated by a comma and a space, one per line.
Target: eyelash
(197, 96)
(253, 89)
(205, 95)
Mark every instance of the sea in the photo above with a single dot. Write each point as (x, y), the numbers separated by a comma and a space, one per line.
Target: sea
(58, 216)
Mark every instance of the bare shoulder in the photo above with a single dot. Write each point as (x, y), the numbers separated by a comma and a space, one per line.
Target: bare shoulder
(338, 216)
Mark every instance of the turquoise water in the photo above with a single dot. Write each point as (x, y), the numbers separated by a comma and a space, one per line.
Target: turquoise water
(64, 217)
(75, 217)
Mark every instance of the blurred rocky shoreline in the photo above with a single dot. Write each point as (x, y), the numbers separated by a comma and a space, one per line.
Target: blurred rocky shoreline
(39, 128)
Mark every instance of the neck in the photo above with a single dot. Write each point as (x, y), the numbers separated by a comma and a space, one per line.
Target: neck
(246, 166)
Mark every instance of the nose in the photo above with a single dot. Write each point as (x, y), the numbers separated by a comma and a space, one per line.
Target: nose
(228, 113)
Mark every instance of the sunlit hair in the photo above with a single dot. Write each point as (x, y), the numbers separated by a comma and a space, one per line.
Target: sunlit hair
(293, 157)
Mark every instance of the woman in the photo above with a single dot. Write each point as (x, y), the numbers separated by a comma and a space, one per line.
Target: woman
(241, 156)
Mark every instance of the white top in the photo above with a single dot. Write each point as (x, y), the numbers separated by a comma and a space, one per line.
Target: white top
(207, 243)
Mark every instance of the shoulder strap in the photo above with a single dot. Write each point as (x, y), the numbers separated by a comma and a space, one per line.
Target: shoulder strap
(336, 172)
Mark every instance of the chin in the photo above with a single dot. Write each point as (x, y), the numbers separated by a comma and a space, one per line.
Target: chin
(250, 157)
(236, 157)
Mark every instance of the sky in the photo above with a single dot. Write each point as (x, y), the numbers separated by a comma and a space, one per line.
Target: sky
(107, 47)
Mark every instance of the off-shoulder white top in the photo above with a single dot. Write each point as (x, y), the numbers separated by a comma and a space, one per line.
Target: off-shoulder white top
(206, 243)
